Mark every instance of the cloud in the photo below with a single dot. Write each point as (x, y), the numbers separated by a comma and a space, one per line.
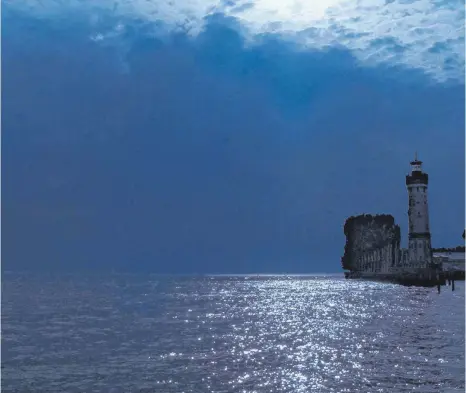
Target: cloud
(419, 34)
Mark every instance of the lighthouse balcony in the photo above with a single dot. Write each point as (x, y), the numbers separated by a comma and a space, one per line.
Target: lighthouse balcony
(417, 178)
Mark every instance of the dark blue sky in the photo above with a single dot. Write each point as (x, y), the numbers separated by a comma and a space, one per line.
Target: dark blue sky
(128, 144)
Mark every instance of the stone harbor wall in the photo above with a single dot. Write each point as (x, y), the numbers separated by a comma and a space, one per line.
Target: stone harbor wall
(372, 244)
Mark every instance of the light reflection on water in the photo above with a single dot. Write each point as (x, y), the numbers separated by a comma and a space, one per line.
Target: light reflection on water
(129, 333)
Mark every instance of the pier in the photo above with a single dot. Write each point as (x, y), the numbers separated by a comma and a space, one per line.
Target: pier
(373, 251)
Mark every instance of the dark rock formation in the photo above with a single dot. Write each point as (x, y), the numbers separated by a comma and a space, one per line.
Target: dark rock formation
(368, 232)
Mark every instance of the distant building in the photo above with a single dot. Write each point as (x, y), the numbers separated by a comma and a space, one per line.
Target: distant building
(451, 261)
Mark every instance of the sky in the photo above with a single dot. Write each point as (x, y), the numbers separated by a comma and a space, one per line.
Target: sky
(204, 136)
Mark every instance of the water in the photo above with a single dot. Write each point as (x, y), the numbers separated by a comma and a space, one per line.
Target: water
(129, 333)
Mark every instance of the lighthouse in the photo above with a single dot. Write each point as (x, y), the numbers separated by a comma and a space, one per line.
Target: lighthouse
(419, 243)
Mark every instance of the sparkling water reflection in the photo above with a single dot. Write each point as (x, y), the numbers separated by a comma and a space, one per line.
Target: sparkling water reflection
(128, 333)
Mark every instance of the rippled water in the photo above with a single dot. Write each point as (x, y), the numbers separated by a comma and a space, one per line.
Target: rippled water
(128, 333)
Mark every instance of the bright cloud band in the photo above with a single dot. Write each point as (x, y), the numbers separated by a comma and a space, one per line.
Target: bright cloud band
(419, 34)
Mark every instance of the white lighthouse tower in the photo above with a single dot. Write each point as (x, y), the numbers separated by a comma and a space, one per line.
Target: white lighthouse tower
(419, 248)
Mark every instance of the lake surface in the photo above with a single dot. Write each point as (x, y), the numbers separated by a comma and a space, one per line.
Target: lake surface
(147, 333)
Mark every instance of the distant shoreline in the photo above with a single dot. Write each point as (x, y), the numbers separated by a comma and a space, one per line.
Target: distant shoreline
(450, 249)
